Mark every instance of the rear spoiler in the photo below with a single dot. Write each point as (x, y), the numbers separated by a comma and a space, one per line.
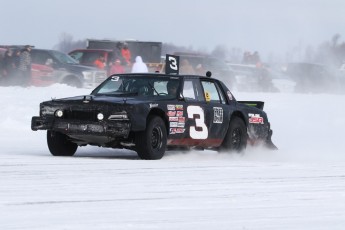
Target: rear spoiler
(257, 104)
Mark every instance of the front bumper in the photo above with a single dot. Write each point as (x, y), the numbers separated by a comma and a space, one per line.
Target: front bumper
(75, 127)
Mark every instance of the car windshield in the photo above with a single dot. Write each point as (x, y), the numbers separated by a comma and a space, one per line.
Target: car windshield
(63, 58)
(136, 85)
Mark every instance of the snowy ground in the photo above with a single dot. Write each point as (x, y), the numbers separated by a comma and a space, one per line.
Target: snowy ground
(300, 186)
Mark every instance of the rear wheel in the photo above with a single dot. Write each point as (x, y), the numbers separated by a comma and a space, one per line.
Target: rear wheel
(236, 137)
(151, 143)
(59, 145)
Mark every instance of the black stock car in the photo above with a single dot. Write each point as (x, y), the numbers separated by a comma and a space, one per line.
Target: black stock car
(152, 112)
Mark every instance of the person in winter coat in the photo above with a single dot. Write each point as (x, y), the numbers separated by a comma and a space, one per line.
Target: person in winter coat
(8, 67)
(99, 62)
(25, 66)
(117, 68)
(126, 54)
(139, 66)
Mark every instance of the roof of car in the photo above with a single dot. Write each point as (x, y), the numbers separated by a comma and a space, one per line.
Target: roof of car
(162, 75)
(92, 50)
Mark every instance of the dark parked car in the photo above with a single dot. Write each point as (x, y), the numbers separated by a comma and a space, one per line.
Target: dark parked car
(151, 113)
(313, 78)
(66, 70)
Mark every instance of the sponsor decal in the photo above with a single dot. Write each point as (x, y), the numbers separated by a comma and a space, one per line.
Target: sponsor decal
(207, 96)
(171, 113)
(181, 119)
(172, 130)
(217, 115)
(153, 105)
(179, 107)
(180, 130)
(255, 118)
(179, 113)
(180, 125)
(171, 107)
(173, 119)
(173, 124)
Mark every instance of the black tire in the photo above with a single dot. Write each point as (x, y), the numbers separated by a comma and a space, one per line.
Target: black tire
(151, 143)
(59, 145)
(236, 137)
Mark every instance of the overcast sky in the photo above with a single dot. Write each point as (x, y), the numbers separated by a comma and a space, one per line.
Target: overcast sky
(264, 25)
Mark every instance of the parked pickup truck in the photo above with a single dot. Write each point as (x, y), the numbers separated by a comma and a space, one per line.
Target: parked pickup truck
(66, 70)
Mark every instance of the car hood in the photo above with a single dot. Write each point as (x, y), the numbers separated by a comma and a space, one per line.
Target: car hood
(90, 99)
(79, 68)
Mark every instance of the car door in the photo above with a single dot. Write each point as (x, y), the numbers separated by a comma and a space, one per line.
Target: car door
(217, 110)
(187, 117)
(198, 121)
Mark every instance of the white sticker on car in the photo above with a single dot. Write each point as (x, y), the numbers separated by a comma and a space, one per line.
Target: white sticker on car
(171, 107)
(217, 115)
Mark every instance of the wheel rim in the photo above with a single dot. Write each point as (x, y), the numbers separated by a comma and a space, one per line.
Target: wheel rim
(156, 137)
(236, 138)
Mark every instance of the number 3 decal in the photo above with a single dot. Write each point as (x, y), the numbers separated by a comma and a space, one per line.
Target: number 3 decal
(173, 63)
(202, 132)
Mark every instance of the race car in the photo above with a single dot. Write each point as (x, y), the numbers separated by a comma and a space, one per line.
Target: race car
(154, 112)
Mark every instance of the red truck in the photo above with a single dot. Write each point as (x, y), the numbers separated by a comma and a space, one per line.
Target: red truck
(111, 50)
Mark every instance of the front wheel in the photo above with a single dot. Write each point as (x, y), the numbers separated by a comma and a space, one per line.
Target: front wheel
(59, 145)
(151, 143)
(236, 137)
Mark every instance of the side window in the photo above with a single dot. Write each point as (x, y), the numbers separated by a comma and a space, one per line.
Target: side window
(89, 57)
(188, 91)
(211, 89)
(40, 57)
(221, 94)
(192, 90)
(76, 55)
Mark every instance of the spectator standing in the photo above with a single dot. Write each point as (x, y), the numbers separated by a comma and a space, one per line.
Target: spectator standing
(126, 54)
(16, 62)
(8, 67)
(24, 69)
(117, 68)
(16, 58)
(256, 58)
(100, 62)
(139, 66)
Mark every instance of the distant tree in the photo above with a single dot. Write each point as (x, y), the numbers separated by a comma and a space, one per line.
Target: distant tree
(331, 52)
(234, 55)
(335, 40)
(67, 44)
(169, 48)
(220, 51)
(309, 54)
